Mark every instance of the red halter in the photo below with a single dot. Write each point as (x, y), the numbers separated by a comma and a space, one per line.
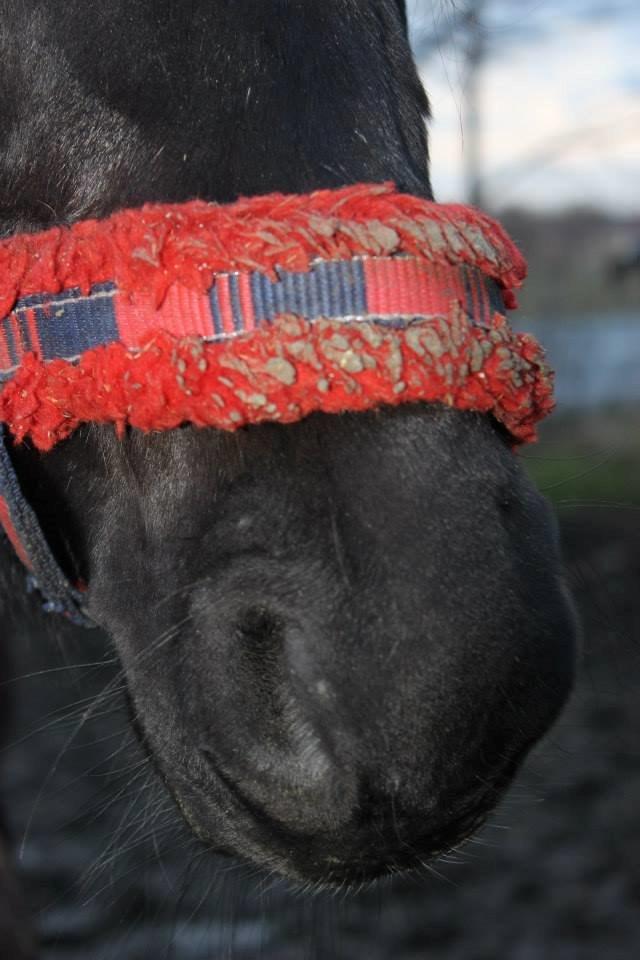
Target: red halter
(266, 309)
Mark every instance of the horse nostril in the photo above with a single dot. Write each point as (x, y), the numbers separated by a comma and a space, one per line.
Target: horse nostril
(261, 631)
(268, 735)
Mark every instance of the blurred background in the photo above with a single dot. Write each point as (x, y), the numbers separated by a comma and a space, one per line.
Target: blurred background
(536, 117)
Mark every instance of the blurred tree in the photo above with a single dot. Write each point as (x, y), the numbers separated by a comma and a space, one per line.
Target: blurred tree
(475, 52)
(478, 30)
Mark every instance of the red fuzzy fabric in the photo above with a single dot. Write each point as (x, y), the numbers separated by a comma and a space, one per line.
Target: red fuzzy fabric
(285, 370)
(282, 373)
(148, 249)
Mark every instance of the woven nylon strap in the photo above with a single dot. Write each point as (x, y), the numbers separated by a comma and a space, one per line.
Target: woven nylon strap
(384, 290)
(23, 530)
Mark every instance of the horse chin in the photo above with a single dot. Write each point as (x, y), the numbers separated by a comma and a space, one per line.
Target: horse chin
(352, 855)
(347, 832)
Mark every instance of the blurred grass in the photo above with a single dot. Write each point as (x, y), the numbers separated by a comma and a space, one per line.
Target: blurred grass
(588, 460)
(579, 479)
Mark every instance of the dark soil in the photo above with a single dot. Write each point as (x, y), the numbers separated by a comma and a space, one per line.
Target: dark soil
(554, 875)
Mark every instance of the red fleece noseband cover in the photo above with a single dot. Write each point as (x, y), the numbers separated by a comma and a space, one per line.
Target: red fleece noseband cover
(269, 308)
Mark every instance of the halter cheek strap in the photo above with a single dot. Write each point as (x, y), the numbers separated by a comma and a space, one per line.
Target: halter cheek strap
(24, 532)
(264, 310)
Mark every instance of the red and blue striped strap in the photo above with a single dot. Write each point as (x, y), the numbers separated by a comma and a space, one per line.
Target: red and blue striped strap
(391, 290)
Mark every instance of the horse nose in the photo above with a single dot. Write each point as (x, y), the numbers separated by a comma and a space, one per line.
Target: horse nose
(268, 733)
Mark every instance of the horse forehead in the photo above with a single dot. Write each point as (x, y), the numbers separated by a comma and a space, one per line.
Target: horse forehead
(138, 104)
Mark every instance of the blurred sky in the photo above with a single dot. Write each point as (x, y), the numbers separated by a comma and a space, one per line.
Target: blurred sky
(560, 95)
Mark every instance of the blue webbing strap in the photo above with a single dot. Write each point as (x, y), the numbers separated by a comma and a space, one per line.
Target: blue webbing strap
(44, 574)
